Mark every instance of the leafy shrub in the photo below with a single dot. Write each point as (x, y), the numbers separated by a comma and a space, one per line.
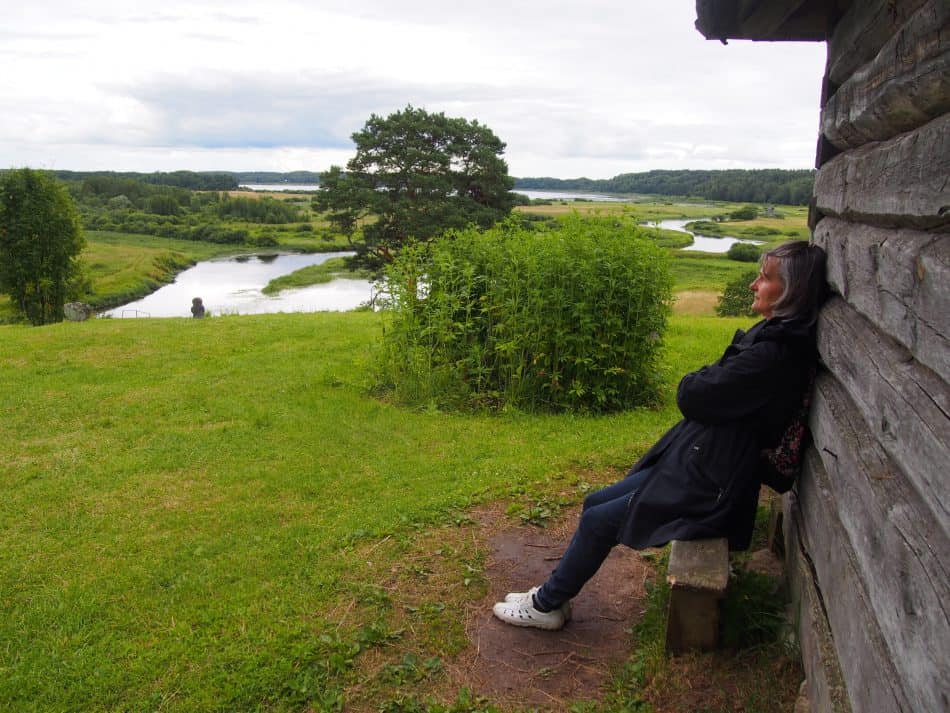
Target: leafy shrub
(258, 210)
(263, 241)
(749, 212)
(743, 252)
(568, 318)
(736, 299)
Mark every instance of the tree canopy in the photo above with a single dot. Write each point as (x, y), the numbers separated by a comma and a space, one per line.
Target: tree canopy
(40, 241)
(414, 176)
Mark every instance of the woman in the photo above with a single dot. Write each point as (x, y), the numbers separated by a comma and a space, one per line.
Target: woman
(702, 478)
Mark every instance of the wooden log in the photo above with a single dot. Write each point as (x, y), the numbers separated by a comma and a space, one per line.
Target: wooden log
(906, 405)
(872, 681)
(898, 549)
(906, 85)
(861, 32)
(796, 20)
(901, 182)
(784, 20)
(824, 683)
(897, 279)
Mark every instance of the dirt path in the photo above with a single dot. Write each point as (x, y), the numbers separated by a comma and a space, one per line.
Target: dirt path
(528, 667)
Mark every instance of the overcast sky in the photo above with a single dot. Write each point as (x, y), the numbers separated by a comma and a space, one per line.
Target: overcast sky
(591, 88)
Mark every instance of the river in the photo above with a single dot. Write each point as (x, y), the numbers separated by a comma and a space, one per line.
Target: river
(701, 243)
(233, 286)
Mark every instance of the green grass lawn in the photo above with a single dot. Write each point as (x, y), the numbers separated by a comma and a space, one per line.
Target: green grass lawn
(183, 501)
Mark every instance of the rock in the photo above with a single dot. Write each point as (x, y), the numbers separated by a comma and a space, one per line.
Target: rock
(77, 311)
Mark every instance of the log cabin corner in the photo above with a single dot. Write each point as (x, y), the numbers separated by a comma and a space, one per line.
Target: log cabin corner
(866, 528)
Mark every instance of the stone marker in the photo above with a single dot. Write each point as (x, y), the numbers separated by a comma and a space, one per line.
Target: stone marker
(197, 308)
(77, 311)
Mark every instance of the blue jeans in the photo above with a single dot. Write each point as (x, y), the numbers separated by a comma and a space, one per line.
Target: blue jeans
(602, 515)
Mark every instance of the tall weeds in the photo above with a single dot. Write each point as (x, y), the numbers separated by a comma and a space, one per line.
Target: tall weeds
(563, 318)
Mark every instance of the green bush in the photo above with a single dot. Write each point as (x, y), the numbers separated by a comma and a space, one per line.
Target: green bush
(749, 212)
(567, 318)
(258, 210)
(743, 252)
(736, 299)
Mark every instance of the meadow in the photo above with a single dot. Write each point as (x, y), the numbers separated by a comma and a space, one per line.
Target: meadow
(185, 500)
(219, 514)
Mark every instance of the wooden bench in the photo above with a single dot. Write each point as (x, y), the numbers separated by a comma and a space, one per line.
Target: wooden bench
(698, 573)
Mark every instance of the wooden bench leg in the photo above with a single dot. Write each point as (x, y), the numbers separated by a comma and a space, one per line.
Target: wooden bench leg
(692, 621)
(698, 573)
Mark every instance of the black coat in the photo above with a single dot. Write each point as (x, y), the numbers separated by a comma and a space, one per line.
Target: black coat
(706, 470)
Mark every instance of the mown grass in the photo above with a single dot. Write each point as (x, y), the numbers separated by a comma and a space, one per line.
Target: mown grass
(193, 508)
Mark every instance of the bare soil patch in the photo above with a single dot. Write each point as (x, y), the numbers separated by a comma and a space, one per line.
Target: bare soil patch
(522, 667)
(441, 583)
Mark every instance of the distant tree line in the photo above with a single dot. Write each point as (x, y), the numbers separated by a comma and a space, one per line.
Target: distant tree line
(771, 185)
(274, 177)
(195, 181)
(129, 203)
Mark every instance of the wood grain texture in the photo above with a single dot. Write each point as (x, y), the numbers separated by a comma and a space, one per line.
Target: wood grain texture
(905, 86)
(862, 31)
(897, 279)
(902, 182)
(906, 405)
(897, 547)
(824, 682)
(872, 681)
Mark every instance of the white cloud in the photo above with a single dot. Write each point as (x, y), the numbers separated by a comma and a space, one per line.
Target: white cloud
(592, 89)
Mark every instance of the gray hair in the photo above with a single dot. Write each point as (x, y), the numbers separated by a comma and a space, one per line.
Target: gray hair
(801, 265)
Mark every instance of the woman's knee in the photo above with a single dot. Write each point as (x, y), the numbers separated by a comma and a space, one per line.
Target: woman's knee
(598, 522)
(591, 500)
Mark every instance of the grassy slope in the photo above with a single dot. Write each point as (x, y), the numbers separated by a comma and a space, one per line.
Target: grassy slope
(181, 497)
(123, 266)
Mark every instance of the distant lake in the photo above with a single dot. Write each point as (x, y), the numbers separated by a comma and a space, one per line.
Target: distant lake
(233, 286)
(568, 196)
(287, 187)
(543, 195)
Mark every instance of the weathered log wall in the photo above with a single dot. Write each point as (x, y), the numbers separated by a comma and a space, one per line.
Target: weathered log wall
(868, 528)
(906, 85)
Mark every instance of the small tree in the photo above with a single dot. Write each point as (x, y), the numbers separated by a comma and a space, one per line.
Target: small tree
(40, 241)
(736, 299)
(414, 176)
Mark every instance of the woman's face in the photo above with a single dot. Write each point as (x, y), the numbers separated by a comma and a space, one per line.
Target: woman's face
(767, 287)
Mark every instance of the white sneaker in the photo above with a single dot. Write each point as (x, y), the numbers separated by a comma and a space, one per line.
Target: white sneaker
(521, 596)
(523, 613)
(527, 597)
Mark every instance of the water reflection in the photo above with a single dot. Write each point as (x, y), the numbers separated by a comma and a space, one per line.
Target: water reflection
(233, 286)
(701, 243)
